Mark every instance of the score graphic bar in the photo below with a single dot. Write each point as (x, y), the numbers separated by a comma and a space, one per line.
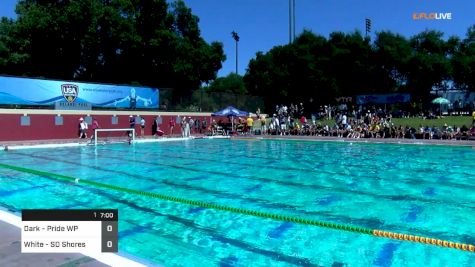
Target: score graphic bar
(69, 231)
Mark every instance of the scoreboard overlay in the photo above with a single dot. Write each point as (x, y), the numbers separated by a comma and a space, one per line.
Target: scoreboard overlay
(69, 231)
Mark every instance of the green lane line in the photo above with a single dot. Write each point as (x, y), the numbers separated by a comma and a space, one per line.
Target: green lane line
(202, 204)
(279, 217)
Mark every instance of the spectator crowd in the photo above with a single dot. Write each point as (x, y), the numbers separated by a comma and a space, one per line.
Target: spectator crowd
(371, 123)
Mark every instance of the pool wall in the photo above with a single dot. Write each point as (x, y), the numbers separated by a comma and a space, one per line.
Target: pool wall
(42, 124)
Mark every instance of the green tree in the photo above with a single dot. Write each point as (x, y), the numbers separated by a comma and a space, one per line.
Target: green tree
(312, 69)
(309, 60)
(350, 63)
(147, 42)
(463, 62)
(429, 65)
(233, 83)
(392, 53)
(259, 78)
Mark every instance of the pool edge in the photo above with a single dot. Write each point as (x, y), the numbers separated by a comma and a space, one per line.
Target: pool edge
(69, 143)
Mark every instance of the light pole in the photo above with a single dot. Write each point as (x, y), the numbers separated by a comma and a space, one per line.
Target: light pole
(368, 26)
(291, 21)
(236, 38)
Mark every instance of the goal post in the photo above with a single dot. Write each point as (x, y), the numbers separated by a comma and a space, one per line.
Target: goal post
(130, 138)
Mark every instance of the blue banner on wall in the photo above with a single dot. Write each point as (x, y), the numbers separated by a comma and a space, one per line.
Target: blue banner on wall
(383, 99)
(23, 91)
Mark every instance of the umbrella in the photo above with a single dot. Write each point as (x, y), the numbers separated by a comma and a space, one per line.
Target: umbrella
(441, 101)
(231, 111)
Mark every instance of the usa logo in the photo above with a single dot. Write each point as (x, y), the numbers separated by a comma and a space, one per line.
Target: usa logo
(70, 92)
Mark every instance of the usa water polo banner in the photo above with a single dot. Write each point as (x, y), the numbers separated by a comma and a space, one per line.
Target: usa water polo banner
(23, 91)
(383, 99)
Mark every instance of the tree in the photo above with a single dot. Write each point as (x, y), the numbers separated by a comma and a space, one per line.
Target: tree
(391, 57)
(429, 65)
(350, 63)
(233, 83)
(146, 42)
(312, 69)
(308, 79)
(463, 62)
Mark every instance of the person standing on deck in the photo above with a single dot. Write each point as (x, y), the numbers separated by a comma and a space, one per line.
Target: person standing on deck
(142, 127)
(182, 123)
(171, 124)
(204, 125)
(263, 124)
(187, 127)
(191, 122)
(95, 126)
(131, 125)
(197, 125)
(249, 124)
(79, 127)
(154, 126)
(82, 128)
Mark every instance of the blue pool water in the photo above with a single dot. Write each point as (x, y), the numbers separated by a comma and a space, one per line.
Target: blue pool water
(414, 189)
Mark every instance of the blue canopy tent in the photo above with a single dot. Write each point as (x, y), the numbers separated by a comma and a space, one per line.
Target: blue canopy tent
(232, 112)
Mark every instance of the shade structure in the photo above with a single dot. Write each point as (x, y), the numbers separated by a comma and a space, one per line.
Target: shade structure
(232, 112)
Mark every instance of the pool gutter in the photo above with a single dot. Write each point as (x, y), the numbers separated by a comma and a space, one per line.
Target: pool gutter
(75, 143)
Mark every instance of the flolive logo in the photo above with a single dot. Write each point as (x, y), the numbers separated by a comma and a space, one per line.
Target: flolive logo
(431, 16)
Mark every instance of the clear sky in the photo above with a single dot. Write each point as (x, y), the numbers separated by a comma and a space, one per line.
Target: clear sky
(262, 24)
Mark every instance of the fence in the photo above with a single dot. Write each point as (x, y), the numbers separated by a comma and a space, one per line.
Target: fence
(200, 100)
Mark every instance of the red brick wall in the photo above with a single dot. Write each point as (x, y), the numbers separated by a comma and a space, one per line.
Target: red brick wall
(42, 126)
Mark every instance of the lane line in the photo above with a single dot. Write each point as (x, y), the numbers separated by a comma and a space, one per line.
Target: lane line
(278, 217)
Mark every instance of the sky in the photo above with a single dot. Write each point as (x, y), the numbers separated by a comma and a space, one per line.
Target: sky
(263, 24)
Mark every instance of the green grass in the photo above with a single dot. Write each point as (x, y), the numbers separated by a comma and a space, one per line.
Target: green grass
(457, 121)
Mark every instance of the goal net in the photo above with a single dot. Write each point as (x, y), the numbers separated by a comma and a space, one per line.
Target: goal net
(121, 135)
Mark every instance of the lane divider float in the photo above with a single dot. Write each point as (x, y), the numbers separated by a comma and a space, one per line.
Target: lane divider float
(267, 215)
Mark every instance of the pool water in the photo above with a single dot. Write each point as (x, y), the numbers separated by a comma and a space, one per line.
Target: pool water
(414, 189)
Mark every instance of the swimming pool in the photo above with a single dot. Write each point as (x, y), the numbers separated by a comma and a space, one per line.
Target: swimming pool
(422, 190)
